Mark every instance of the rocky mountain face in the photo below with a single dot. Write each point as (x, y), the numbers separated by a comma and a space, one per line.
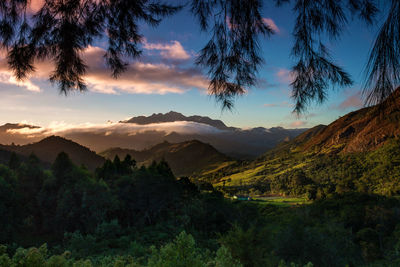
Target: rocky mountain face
(362, 130)
(184, 158)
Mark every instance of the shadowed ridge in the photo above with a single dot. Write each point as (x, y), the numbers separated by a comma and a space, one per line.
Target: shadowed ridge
(48, 148)
(184, 158)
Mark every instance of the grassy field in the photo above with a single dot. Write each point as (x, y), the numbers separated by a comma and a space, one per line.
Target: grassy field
(265, 170)
(281, 201)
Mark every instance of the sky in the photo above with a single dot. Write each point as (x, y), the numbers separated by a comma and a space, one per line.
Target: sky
(166, 79)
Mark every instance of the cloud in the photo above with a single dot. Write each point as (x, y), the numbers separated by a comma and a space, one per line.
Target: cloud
(139, 78)
(271, 105)
(285, 76)
(173, 50)
(35, 5)
(271, 24)
(114, 128)
(298, 124)
(6, 77)
(353, 100)
(282, 104)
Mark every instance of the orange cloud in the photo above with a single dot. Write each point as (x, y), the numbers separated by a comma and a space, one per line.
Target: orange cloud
(298, 124)
(35, 5)
(140, 77)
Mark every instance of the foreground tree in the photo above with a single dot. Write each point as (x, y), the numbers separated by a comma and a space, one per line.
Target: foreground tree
(62, 29)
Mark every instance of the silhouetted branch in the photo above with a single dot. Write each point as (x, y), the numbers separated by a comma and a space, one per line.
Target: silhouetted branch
(383, 68)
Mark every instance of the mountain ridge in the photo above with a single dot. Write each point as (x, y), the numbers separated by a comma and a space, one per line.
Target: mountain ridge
(48, 148)
(173, 116)
(184, 158)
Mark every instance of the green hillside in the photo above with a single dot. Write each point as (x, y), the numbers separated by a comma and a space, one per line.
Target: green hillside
(293, 172)
(359, 152)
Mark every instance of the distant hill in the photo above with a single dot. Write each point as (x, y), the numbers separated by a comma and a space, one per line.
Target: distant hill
(184, 158)
(48, 149)
(173, 116)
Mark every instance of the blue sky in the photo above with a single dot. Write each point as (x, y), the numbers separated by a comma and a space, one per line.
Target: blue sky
(166, 79)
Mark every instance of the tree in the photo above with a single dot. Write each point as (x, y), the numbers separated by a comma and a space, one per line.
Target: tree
(62, 29)
(14, 161)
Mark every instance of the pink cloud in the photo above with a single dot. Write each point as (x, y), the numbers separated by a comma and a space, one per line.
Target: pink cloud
(285, 76)
(298, 124)
(271, 24)
(173, 50)
(352, 101)
(271, 105)
(282, 104)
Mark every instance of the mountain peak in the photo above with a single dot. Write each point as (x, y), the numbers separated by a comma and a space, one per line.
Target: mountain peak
(173, 116)
(173, 113)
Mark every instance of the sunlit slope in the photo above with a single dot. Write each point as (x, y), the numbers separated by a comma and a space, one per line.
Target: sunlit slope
(359, 151)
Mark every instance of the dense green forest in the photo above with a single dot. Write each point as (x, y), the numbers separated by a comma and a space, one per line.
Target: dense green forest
(123, 215)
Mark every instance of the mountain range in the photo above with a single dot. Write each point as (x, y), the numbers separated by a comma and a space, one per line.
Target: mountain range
(140, 133)
(173, 116)
(361, 131)
(184, 158)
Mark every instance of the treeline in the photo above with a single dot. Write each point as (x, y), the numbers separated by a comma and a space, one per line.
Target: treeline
(123, 215)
